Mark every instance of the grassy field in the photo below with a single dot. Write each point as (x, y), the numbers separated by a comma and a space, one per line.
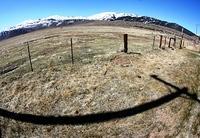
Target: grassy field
(102, 79)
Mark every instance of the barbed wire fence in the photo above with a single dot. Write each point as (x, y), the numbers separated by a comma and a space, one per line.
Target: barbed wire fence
(55, 50)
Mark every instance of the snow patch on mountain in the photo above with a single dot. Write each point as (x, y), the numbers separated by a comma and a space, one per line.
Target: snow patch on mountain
(109, 16)
(61, 18)
(45, 22)
(25, 24)
(33, 24)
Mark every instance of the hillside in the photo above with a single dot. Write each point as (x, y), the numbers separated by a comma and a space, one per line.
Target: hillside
(149, 92)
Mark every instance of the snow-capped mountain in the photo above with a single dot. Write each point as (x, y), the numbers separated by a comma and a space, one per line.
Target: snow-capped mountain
(45, 22)
(109, 16)
(56, 21)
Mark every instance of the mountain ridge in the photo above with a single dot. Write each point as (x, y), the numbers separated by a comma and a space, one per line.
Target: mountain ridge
(59, 21)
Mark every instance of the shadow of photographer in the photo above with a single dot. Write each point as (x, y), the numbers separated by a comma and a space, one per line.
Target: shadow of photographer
(104, 116)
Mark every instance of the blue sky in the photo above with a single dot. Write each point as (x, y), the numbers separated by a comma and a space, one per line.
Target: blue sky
(183, 12)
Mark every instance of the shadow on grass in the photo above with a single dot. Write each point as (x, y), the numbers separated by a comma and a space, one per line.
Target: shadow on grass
(12, 66)
(100, 117)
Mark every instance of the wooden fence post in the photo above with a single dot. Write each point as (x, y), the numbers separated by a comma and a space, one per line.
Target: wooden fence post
(154, 39)
(125, 43)
(169, 42)
(72, 52)
(160, 41)
(174, 42)
(29, 55)
(165, 42)
(181, 42)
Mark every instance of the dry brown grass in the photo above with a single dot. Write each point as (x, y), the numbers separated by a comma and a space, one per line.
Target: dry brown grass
(101, 80)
